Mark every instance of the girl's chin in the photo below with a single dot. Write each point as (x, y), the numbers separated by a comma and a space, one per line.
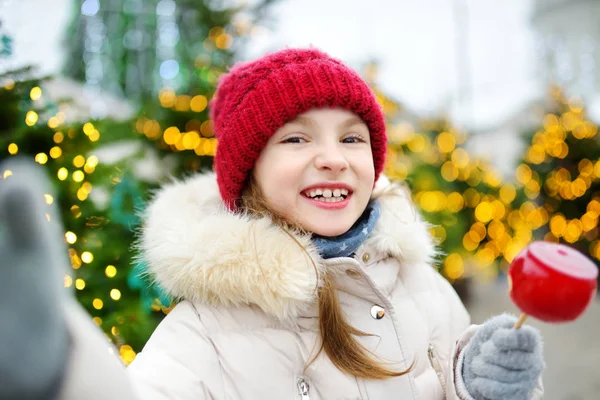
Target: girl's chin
(328, 231)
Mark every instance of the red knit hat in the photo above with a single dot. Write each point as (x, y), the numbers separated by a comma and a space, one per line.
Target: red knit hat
(256, 98)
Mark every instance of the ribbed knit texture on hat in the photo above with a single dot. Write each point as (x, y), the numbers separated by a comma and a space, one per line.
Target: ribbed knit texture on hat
(256, 98)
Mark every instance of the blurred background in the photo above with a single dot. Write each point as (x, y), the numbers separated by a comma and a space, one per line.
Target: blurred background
(492, 110)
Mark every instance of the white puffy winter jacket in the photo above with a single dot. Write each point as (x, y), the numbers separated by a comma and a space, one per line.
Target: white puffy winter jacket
(247, 324)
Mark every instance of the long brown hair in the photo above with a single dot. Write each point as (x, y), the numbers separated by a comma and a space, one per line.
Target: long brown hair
(338, 337)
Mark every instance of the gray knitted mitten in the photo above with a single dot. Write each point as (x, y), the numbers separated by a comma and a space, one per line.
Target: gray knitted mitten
(33, 259)
(501, 362)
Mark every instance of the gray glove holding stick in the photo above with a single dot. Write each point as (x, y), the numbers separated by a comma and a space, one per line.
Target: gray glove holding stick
(501, 362)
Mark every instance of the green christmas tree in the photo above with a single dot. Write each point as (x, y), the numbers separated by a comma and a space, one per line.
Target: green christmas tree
(561, 173)
(480, 219)
(103, 168)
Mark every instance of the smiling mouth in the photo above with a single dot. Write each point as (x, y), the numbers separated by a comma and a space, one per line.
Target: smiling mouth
(327, 195)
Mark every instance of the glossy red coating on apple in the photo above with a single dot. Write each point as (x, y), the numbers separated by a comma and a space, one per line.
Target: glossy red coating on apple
(552, 282)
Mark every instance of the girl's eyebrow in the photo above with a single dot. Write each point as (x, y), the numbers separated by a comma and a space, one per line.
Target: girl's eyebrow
(307, 122)
(351, 122)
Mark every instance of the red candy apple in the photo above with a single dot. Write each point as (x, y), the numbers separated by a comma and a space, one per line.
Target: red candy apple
(552, 282)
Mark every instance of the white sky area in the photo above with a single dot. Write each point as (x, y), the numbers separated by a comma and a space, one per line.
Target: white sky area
(478, 66)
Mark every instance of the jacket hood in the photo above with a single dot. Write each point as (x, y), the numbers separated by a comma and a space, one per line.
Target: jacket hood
(197, 250)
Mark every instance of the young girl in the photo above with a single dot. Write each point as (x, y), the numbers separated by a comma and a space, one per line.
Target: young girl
(301, 272)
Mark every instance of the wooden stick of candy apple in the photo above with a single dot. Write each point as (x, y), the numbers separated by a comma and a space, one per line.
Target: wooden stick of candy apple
(551, 282)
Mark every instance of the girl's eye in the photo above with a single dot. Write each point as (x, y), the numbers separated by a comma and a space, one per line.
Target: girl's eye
(294, 139)
(354, 139)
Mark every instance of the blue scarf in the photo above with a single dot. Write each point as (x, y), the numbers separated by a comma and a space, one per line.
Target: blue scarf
(347, 243)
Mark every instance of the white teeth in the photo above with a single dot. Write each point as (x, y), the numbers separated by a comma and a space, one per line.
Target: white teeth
(325, 194)
(329, 199)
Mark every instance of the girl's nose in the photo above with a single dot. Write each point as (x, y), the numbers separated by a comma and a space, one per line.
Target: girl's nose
(331, 158)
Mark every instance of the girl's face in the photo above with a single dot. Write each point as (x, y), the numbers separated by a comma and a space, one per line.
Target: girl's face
(317, 171)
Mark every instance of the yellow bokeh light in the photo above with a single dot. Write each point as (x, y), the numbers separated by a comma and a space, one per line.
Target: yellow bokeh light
(585, 167)
(167, 98)
(224, 41)
(417, 144)
(472, 197)
(97, 320)
(171, 135)
(460, 158)
(13, 149)
(115, 294)
(92, 161)
(58, 137)
(589, 221)
(446, 142)
(87, 257)
(439, 233)
(127, 354)
(477, 231)
(67, 281)
(78, 176)
(94, 136)
(507, 193)
(55, 152)
(70, 237)
(110, 271)
(594, 206)
(449, 171)
(78, 161)
(206, 129)
(558, 224)
(35, 93)
(484, 211)
(496, 229)
(88, 128)
(551, 122)
(536, 154)
(198, 103)
(53, 122)
(7, 173)
(97, 304)
(183, 103)
(190, 140)
(41, 158)
(493, 178)
(595, 249)
(468, 243)
(523, 174)
(454, 266)
(573, 231)
(87, 187)
(79, 284)
(432, 201)
(62, 174)
(455, 202)
(82, 194)
(31, 118)
(49, 199)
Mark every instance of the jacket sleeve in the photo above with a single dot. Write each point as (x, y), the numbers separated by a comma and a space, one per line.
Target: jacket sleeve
(177, 363)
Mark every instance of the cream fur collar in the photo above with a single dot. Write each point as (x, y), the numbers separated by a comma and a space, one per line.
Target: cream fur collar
(198, 251)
